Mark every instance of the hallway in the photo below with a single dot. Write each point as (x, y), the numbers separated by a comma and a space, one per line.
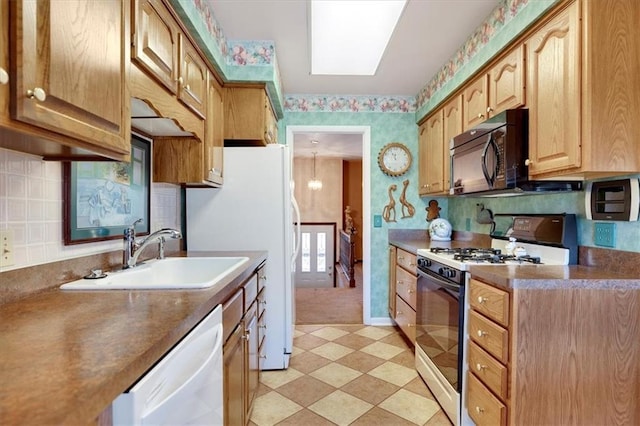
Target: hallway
(336, 305)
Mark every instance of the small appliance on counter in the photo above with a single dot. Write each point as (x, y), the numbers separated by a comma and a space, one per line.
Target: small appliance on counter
(440, 230)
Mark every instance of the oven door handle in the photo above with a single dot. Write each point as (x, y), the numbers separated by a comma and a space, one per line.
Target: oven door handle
(442, 283)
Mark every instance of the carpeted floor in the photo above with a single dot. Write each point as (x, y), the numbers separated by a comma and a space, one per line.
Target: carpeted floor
(339, 305)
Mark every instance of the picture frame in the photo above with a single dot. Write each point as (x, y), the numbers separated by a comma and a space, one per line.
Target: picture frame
(102, 198)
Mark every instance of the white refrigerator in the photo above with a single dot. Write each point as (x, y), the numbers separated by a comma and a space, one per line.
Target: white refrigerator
(255, 210)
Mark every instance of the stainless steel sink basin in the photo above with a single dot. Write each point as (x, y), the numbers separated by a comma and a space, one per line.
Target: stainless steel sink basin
(169, 273)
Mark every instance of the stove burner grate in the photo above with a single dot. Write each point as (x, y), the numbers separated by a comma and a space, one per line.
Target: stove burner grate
(496, 258)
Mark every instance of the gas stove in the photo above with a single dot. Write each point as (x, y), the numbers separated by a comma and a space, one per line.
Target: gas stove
(540, 240)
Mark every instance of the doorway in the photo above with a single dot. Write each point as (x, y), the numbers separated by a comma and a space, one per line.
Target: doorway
(360, 135)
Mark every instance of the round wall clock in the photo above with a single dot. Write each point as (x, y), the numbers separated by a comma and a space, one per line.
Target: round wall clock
(394, 159)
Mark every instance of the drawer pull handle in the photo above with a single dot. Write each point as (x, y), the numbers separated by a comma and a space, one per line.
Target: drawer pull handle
(412, 264)
(263, 326)
(481, 333)
(410, 291)
(263, 277)
(481, 299)
(263, 356)
(4, 76)
(38, 94)
(480, 367)
(400, 258)
(398, 313)
(479, 410)
(399, 282)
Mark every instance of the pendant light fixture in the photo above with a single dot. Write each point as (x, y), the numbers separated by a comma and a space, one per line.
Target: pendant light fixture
(314, 184)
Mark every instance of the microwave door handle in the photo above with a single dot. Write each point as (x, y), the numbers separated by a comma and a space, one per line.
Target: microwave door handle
(496, 149)
(483, 158)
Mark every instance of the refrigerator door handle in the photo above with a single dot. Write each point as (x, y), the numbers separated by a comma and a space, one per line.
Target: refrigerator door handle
(296, 250)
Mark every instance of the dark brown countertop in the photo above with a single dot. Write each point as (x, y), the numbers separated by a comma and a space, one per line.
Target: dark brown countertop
(521, 276)
(553, 277)
(66, 355)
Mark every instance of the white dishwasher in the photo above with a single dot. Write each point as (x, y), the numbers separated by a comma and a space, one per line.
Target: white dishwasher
(184, 387)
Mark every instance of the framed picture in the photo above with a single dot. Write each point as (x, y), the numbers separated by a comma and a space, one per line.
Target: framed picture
(102, 198)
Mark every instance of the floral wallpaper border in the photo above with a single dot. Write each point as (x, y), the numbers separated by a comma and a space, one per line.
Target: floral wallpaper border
(503, 13)
(261, 53)
(324, 103)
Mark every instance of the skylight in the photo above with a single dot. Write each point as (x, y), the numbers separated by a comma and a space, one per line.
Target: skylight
(349, 37)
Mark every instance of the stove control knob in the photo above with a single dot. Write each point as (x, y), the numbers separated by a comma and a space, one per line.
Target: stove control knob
(424, 263)
(447, 272)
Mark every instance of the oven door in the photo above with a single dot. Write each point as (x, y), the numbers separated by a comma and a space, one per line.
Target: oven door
(440, 325)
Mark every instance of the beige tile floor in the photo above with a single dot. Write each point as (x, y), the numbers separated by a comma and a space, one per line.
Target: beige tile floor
(347, 375)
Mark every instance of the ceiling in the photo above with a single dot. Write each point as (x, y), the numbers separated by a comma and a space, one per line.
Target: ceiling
(428, 34)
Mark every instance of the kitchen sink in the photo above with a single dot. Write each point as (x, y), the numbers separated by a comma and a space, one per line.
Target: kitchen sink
(164, 274)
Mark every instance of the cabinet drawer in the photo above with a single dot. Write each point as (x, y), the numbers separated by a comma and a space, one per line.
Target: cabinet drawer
(491, 301)
(262, 301)
(262, 277)
(250, 291)
(483, 407)
(406, 319)
(406, 260)
(489, 371)
(406, 286)
(490, 336)
(232, 311)
(262, 327)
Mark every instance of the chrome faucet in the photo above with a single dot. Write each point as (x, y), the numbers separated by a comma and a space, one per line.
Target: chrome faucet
(133, 247)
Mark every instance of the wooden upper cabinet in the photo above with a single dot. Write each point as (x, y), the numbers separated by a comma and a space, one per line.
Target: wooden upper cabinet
(431, 140)
(500, 88)
(192, 83)
(248, 115)
(164, 52)
(506, 82)
(553, 94)
(69, 73)
(582, 88)
(452, 122)
(475, 97)
(155, 42)
(214, 134)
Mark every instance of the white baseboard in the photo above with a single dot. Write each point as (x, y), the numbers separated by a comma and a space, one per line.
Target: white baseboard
(381, 321)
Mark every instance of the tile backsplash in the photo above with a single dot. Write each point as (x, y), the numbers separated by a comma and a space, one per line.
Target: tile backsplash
(31, 209)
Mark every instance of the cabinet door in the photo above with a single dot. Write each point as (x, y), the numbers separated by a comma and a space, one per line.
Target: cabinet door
(553, 94)
(155, 37)
(271, 124)
(214, 134)
(4, 60)
(392, 281)
(253, 357)
(452, 127)
(506, 82)
(234, 378)
(192, 90)
(431, 166)
(475, 102)
(244, 114)
(71, 69)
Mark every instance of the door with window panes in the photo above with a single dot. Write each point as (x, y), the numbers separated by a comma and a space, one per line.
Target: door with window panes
(316, 260)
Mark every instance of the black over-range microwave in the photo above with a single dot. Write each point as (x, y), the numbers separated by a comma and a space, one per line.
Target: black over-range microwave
(490, 159)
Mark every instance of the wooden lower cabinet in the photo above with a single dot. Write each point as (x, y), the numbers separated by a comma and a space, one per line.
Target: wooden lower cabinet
(402, 290)
(243, 313)
(234, 378)
(553, 356)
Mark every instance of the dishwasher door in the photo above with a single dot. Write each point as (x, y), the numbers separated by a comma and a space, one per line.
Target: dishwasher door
(184, 387)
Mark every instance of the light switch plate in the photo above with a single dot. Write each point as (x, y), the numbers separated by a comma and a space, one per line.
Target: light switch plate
(377, 221)
(604, 234)
(6, 247)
